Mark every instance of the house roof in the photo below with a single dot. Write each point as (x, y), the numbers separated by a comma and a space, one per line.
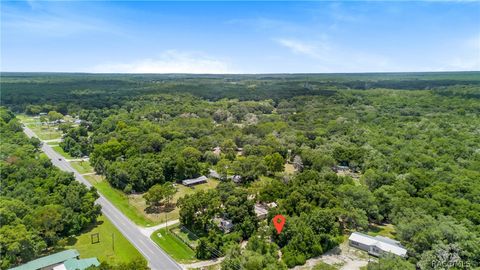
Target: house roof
(383, 243)
(260, 210)
(214, 174)
(56, 258)
(74, 264)
(187, 182)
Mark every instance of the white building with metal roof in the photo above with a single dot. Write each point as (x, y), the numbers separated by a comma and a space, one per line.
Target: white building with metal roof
(195, 181)
(377, 245)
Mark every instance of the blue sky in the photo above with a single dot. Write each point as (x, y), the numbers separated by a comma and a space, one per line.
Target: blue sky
(239, 37)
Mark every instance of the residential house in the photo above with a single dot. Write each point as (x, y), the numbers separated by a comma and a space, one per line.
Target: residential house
(194, 181)
(377, 245)
(261, 211)
(64, 260)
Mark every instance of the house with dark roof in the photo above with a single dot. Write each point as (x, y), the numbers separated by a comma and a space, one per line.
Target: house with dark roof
(64, 260)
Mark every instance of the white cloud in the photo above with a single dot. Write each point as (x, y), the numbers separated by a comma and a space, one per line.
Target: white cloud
(464, 56)
(170, 61)
(298, 46)
(330, 57)
(317, 50)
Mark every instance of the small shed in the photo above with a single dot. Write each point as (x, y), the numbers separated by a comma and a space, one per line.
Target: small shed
(272, 205)
(213, 174)
(237, 178)
(217, 150)
(194, 181)
(340, 168)
(225, 225)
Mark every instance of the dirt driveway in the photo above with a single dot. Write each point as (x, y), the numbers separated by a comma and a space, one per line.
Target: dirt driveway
(344, 257)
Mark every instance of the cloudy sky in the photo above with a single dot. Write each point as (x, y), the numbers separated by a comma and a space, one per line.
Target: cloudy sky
(239, 37)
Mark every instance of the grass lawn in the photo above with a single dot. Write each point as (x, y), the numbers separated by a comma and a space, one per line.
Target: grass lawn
(133, 206)
(59, 150)
(217, 266)
(255, 186)
(120, 200)
(104, 250)
(82, 166)
(192, 240)
(387, 230)
(139, 203)
(25, 119)
(44, 132)
(173, 246)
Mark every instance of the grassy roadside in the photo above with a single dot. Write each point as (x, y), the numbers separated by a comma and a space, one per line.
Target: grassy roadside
(82, 166)
(133, 206)
(118, 251)
(59, 150)
(120, 200)
(173, 246)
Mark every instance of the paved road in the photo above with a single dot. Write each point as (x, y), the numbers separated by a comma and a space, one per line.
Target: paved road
(156, 257)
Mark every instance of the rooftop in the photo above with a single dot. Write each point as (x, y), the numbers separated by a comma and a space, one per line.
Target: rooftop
(56, 258)
(384, 243)
(74, 264)
(260, 210)
(187, 182)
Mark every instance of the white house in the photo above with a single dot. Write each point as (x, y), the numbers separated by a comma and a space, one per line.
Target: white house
(377, 245)
(260, 211)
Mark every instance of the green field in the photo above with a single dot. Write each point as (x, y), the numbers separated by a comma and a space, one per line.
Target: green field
(59, 150)
(139, 202)
(191, 239)
(121, 252)
(387, 230)
(45, 132)
(173, 246)
(120, 200)
(133, 206)
(82, 166)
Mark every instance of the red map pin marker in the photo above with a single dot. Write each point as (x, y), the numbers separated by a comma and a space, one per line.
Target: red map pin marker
(278, 222)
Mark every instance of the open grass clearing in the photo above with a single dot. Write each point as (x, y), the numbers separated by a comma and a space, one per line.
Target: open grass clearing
(82, 166)
(112, 247)
(59, 150)
(173, 246)
(140, 204)
(120, 200)
(134, 205)
(45, 132)
(387, 230)
(188, 237)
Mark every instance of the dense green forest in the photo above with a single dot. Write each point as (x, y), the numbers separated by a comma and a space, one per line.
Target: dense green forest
(413, 140)
(40, 206)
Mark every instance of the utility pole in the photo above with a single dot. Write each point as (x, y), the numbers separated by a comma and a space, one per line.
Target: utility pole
(166, 227)
(113, 242)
